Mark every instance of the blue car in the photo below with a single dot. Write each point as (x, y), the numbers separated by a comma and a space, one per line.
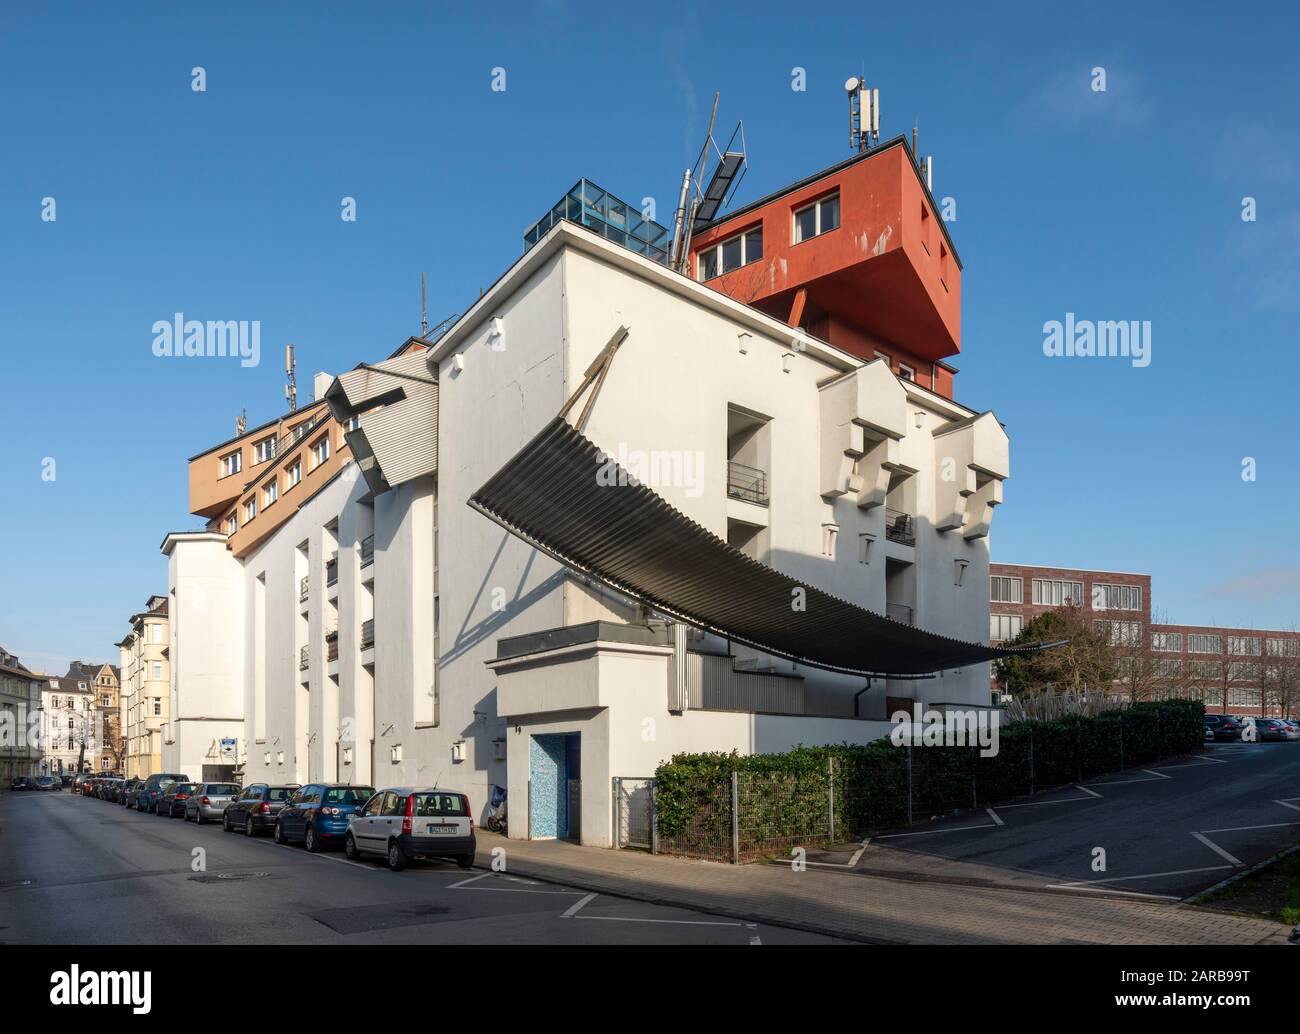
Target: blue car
(318, 814)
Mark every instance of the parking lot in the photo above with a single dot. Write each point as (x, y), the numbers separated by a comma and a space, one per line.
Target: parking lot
(1167, 832)
(77, 870)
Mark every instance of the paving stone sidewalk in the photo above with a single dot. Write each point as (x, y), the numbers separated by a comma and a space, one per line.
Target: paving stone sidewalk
(881, 909)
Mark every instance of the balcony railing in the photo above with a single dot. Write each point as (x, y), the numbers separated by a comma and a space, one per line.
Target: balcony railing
(303, 586)
(302, 659)
(900, 527)
(367, 633)
(367, 550)
(899, 612)
(746, 483)
(331, 646)
(332, 571)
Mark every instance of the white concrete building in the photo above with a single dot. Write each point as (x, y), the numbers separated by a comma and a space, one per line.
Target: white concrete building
(69, 725)
(462, 656)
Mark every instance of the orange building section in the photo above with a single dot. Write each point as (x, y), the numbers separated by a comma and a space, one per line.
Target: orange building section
(885, 281)
(223, 496)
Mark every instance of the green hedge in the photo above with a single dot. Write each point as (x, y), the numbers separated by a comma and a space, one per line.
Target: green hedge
(786, 796)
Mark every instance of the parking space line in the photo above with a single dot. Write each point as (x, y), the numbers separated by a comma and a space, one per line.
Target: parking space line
(670, 922)
(1158, 775)
(1217, 849)
(1239, 829)
(850, 864)
(1143, 876)
(1286, 803)
(1063, 800)
(929, 832)
(1123, 782)
(465, 884)
(576, 907)
(994, 816)
(1078, 786)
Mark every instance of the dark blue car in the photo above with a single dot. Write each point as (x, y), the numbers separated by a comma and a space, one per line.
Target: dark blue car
(317, 815)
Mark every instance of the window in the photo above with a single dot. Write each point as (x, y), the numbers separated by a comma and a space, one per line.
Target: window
(1167, 668)
(157, 671)
(1243, 671)
(1051, 593)
(1197, 643)
(1120, 633)
(1243, 646)
(264, 450)
(232, 524)
(732, 253)
(232, 463)
(818, 218)
(292, 474)
(885, 357)
(157, 706)
(351, 424)
(250, 509)
(1004, 626)
(906, 372)
(320, 451)
(1167, 642)
(1116, 597)
(105, 700)
(1005, 589)
(270, 493)
(1284, 647)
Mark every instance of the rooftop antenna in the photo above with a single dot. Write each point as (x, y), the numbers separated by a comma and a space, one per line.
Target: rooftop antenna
(424, 318)
(924, 165)
(241, 423)
(291, 385)
(864, 114)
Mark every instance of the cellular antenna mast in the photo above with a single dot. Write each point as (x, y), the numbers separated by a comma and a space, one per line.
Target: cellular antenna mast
(291, 383)
(864, 114)
(424, 312)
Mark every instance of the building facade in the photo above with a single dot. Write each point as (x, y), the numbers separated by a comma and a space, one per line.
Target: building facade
(144, 695)
(355, 620)
(1243, 671)
(20, 703)
(69, 723)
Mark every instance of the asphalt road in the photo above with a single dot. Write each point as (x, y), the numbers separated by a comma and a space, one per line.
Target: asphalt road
(74, 870)
(1169, 831)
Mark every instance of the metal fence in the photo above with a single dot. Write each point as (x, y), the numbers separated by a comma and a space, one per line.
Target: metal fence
(634, 811)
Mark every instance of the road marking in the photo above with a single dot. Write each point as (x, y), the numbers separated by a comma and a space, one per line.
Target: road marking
(755, 939)
(1285, 804)
(472, 879)
(576, 907)
(1144, 876)
(1238, 829)
(671, 922)
(1087, 791)
(994, 816)
(1158, 775)
(1111, 890)
(1217, 849)
(928, 832)
(850, 864)
(1036, 804)
(463, 884)
(1122, 782)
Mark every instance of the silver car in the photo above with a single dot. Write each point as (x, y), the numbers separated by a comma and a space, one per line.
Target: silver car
(208, 801)
(404, 822)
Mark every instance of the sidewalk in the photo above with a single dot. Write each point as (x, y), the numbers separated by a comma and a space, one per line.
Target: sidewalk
(906, 908)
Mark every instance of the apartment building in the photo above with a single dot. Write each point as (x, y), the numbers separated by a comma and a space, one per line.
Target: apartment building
(369, 626)
(1246, 671)
(69, 722)
(20, 702)
(144, 698)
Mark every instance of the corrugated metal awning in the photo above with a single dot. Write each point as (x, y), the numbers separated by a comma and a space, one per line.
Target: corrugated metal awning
(626, 536)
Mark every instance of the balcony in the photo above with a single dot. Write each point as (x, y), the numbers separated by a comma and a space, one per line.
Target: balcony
(899, 612)
(900, 527)
(332, 646)
(367, 634)
(367, 551)
(303, 586)
(748, 484)
(302, 659)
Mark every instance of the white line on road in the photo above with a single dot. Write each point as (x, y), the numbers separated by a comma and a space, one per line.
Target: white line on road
(671, 922)
(1144, 876)
(928, 832)
(994, 816)
(1217, 849)
(1158, 775)
(1087, 791)
(1111, 890)
(1287, 804)
(1063, 800)
(576, 907)
(504, 890)
(1238, 829)
(755, 939)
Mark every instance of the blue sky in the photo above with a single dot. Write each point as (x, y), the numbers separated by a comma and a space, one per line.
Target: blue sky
(225, 205)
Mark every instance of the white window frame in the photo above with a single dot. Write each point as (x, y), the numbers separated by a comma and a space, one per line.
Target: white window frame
(1117, 596)
(271, 492)
(818, 231)
(293, 474)
(1012, 623)
(1054, 592)
(1244, 645)
(261, 453)
(715, 250)
(250, 509)
(232, 463)
(1005, 582)
(1167, 642)
(1199, 642)
(320, 451)
(906, 372)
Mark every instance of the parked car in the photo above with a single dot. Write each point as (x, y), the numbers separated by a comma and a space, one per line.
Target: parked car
(88, 787)
(404, 823)
(20, 783)
(255, 808)
(78, 781)
(104, 790)
(207, 802)
(65, 781)
(1223, 727)
(154, 788)
(1275, 730)
(130, 789)
(48, 782)
(318, 814)
(172, 803)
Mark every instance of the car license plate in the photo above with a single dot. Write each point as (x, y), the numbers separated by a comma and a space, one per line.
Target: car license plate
(441, 829)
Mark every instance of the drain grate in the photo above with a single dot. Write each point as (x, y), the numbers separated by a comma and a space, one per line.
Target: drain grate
(240, 875)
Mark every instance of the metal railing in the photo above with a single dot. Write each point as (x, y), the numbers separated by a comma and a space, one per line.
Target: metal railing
(900, 527)
(367, 633)
(367, 550)
(302, 659)
(899, 612)
(303, 586)
(746, 483)
(331, 646)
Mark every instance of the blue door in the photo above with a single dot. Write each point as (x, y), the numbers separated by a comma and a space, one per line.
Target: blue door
(548, 779)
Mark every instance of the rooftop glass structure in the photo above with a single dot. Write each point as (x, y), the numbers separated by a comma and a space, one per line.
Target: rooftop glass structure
(612, 218)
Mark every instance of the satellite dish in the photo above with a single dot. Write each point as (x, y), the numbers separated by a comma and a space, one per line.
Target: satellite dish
(851, 84)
